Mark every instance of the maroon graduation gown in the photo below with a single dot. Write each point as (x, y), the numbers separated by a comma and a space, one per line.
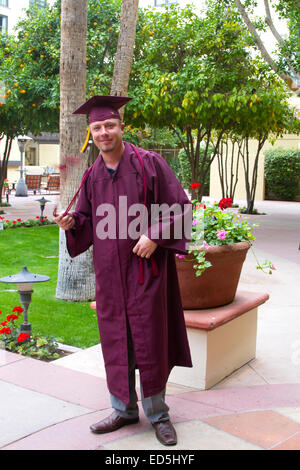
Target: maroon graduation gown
(153, 309)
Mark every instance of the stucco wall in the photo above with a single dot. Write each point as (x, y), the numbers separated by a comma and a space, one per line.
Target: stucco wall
(288, 142)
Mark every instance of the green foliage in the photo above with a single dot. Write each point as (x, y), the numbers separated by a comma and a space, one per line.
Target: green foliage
(186, 70)
(290, 50)
(196, 75)
(213, 225)
(282, 173)
(30, 65)
(182, 168)
(102, 38)
(288, 57)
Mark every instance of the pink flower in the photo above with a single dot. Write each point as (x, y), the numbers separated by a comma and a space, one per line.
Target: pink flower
(195, 221)
(179, 256)
(205, 245)
(221, 234)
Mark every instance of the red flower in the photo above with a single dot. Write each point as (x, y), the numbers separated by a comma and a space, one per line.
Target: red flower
(201, 205)
(18, 309)
(195, 185)
(5, 331)
(12, 317)
(225, 202)
(14, 222)
(19, 220)
(4, 323)
(22, 337)
(37, 217)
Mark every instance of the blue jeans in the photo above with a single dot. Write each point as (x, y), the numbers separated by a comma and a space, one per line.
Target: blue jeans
(155, 407)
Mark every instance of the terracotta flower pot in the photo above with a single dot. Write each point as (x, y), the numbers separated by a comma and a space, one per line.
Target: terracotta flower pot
(218, 284)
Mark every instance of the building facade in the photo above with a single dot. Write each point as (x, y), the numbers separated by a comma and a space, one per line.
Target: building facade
(12, 10)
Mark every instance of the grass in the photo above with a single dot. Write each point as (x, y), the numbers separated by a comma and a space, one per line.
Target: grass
(73, 323)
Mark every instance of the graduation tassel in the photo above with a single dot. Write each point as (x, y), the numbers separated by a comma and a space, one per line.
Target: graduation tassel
(154, 266)
(141, 272)
(86, 141)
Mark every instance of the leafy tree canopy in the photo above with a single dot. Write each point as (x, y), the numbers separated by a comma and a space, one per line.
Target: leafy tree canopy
(30, 60)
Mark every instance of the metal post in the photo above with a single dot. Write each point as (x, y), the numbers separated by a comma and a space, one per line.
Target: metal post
(21, 188)
(25, 298)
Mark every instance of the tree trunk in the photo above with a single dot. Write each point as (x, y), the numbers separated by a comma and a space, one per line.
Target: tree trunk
(76, 280)
(228, 176)
(251, 176)
(4, 162)
(288, 79)
(125, 49)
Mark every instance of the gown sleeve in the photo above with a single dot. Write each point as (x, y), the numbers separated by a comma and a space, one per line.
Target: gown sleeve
(170, 222)
(80, 237)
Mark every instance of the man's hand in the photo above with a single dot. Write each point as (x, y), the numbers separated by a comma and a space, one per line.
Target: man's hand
(144, 247)
(65, 222)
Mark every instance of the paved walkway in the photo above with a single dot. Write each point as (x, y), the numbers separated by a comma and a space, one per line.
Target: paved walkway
(51, 405)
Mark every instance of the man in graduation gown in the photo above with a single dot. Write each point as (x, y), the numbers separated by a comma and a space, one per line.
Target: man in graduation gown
(139, 309)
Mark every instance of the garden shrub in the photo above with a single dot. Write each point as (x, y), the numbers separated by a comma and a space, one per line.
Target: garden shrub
(182, 169)
(282, 173)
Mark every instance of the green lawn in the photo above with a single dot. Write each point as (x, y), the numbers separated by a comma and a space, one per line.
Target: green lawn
(73, 323)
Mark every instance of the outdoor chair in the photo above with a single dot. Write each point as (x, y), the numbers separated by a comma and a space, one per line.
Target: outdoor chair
(53, 183)
(33, 183)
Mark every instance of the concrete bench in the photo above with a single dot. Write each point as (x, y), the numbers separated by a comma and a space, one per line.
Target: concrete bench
(221, 340)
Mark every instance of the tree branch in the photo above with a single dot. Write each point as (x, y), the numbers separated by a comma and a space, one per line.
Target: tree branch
(266, 56)
(270, 23)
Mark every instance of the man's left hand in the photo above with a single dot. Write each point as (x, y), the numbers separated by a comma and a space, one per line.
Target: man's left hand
(144, 247)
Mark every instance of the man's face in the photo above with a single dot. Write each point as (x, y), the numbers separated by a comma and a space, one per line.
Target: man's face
(107, 135)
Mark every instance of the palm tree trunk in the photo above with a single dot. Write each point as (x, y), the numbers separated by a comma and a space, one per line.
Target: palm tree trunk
(76, 280)
(125, 48)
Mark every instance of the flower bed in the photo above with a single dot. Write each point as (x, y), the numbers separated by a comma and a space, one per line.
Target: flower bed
(15, 223)
(11, 339)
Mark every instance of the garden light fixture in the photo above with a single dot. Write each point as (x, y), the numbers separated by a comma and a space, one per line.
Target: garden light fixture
(25, 281)
(42, 202)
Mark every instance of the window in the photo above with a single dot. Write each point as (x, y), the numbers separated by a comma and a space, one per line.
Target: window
(3, 3)
(40, 3)
(3, 24)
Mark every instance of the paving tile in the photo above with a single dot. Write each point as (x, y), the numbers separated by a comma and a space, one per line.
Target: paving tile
(292, 413)
(245, 376)
(89, 361)
(293, 443)
(192, 435)
(59, 382)
(249, 398)
(184, 410)
(24, 412)
(75, 434)
(262, 428)
(7, 357)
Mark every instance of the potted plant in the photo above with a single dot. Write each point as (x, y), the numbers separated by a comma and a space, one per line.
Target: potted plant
(209, 275)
